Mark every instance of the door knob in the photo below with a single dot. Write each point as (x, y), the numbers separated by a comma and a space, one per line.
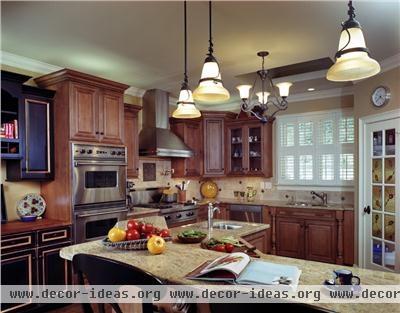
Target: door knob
(367, 209)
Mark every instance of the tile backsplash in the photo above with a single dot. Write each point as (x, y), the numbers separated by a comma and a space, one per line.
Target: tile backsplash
(227, 186)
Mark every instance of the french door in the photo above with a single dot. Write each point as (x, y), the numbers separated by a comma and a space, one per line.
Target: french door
(381, 194)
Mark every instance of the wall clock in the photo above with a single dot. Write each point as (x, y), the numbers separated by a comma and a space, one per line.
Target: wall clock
(380, 96)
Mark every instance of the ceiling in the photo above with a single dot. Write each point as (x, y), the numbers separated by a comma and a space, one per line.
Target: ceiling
(141, 44)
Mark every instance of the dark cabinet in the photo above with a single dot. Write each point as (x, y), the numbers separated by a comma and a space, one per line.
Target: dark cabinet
(259, 240)
(111, 117)
(290, 237)
(249, 148)
(33, 129)
(131, 128)
(320, 241)
(214, 144)
(190, 131)
(33, 258)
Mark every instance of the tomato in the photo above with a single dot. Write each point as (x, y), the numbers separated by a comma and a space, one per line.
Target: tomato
(149, 235)
(116, 234)
(132, 234)
(165, 233)
(156, 245)
(156, 230)
(132, 224)
(229, 247)
(219, 248)
(149, 228)
(143, 235)
(142, 228)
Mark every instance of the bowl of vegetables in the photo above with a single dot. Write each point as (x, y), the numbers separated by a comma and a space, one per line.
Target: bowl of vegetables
(191, 236)
(227, 244)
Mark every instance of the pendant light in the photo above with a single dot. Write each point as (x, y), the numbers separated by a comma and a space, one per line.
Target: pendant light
(210, 89)
(186, 107)
(353, 59)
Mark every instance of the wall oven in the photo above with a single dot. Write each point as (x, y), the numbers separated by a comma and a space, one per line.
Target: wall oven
(99, 189)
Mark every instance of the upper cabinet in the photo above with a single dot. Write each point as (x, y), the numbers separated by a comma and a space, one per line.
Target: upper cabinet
(131, 127)
(94, 105)
(190, 131)
(249, 148)
(28, 148)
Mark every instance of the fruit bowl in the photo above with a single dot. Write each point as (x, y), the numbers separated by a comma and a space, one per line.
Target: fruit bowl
(140, 244)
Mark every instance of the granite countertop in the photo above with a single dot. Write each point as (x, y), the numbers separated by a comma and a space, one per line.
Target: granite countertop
(179, 259)
(279, 203)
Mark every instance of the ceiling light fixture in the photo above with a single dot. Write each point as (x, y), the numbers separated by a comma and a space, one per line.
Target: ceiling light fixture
(310, 89)
(266, 99)
(186, 106)
(210, 89)
(353, 60)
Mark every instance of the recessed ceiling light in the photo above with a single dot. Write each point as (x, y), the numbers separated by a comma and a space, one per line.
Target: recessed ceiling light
(310, 89)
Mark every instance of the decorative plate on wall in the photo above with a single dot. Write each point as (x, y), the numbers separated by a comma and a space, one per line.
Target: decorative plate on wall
(31, 204)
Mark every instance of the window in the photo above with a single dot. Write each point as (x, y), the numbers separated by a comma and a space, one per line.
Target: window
(316, 149)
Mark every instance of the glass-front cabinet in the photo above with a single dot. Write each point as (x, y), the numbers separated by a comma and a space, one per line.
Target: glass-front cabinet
(249, 148)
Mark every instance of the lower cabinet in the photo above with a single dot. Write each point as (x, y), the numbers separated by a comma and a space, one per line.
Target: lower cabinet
(259, 240)
(28, 260)
(315, 235)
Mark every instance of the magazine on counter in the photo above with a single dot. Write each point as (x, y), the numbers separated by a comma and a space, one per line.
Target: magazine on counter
(238, 268)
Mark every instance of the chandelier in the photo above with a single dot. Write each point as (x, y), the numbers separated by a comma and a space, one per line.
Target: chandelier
(268, 100)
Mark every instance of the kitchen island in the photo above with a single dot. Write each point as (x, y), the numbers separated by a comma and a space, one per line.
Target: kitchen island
(179, 259)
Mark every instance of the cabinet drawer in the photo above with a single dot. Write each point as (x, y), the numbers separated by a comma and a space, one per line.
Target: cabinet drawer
(55, 235)
(17, 242)
(305, 213)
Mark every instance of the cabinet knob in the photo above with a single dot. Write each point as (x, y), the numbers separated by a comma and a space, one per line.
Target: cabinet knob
(101, 133)
(97, 133)
(367, 209)
(137, 168)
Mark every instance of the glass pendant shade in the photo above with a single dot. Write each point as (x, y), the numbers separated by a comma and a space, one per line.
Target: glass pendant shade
(186, 107)
(352, 65)
(244, 91)
(210, 88)
(262, 97)
(284, 88)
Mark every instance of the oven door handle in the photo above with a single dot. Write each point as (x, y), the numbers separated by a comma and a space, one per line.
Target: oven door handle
(102, 213)
(76, 163)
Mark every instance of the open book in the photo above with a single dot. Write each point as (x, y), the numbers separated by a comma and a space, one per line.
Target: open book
(238, 268)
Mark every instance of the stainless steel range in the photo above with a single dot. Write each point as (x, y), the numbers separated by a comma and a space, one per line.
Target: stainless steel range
(99, 189)
(175, 214)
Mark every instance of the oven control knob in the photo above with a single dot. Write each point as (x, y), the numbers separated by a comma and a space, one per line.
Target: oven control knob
(167, 217)
(82, 151)
(119, 153)
(178, 215)
(112, 152)
(189, 214)
(89, 151)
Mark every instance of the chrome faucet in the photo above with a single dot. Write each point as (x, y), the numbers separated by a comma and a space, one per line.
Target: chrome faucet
(323, 196)
(210, 221)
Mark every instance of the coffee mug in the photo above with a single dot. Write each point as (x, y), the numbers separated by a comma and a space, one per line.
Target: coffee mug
(345, 277)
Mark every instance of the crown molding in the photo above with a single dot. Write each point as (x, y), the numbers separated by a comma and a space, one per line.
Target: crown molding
(28, 64)
(134, 91)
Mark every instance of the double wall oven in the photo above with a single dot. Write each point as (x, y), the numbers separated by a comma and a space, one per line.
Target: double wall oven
(99, 189)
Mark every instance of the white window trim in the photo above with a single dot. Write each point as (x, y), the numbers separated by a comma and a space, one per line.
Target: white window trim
(316, 182)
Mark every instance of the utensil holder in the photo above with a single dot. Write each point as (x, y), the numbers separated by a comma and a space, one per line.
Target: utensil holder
(182, 196)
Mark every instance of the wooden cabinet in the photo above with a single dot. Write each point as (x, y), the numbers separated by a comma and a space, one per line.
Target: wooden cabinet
(214, 143)
(309, 234)
(290, 237)
(96, 114)
(33, 258)
(131, 128)
(249, 148)
(259, 240)
(33, 124)
(190, 131)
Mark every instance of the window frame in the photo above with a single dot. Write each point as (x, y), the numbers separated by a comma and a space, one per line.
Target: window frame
(316, 150)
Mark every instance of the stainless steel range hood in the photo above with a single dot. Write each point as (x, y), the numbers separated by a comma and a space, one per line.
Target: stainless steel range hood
(155, 139)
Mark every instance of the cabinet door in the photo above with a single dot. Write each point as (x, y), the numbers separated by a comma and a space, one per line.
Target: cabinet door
(254, 151)
(236, 150)
(320, 241)
(290, 237)
(259, 240)
(202, 213)
(111, 117)
(131, 129)
(37, 162)
(18, 269)
(84, 106)
(54, 270)
(193, 138)
(214, 159)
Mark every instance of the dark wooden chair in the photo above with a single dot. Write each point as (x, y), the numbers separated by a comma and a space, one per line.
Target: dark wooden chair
(102, 271)
(265, 307)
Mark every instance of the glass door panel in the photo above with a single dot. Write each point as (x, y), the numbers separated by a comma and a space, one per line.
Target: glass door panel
(237, 151)
(255, 149)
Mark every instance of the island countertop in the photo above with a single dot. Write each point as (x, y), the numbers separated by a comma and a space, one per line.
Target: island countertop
(180, 259)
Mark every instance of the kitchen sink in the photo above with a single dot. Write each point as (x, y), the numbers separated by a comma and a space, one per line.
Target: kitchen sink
(226, 226)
